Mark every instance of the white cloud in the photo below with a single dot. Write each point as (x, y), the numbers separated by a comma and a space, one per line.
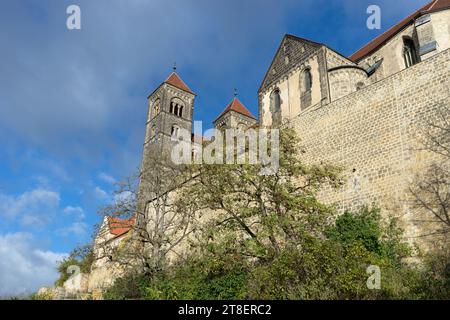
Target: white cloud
(29, 204)
(124, 197)
(23, 267)
(100, 193)
(106, 178)
(76, 229)
(35, 220)
(77, 212)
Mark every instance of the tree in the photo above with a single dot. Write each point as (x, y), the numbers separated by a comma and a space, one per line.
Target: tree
(160, 224)
(81, 256)
(431, 189)
(257, 215)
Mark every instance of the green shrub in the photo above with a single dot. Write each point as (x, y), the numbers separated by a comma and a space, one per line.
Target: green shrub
(316, 267)
(81, 256)
(130, 286)
(434, 280)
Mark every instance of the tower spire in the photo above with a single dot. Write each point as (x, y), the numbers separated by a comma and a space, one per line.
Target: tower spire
(174, 67)
(235, 92)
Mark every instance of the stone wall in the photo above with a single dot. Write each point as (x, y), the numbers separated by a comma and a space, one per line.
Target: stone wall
(345, 80)
(371, 133)
(290, 88)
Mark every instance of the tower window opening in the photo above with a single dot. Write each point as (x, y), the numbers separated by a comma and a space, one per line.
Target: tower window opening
(174, 132)
(176, 107)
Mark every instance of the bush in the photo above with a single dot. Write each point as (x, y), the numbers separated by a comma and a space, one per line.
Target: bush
(130, 286)
(330, 267)
(81, 256)
(200, 278)
(434, 280)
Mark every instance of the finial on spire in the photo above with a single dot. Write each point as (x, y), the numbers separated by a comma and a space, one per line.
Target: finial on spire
(174, 67)
(235, 92)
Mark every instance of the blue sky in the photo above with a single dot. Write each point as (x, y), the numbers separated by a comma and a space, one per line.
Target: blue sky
(73, 102)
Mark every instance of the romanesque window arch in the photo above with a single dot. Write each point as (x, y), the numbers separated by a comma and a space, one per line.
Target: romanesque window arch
(275, 100)
(175, 131)
(241, 126)
(409, 52)
(306, 80)
(156, 107)
(176, 107)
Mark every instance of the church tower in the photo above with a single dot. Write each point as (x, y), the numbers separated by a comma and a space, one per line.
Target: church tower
(235, 116)
(170, 109)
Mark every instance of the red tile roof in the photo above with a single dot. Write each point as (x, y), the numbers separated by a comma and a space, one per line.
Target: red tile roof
(383, 38)
(176, 81)
(238, 107)
(119, 226)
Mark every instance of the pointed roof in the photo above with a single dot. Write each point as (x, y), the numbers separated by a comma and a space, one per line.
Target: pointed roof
(373, 45)
(299, 49)
(237, 106)
(175, 80)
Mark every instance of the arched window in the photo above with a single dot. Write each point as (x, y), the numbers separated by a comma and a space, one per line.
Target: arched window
(241, 126)
(176, 107)
(307, 80)
(175, 131)
(156, 107)
(275, 100)
(409, 52)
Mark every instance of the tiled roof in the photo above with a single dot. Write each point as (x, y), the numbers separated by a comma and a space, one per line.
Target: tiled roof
(238, 107)
(119, 226)
(175, 80)
(379, 41)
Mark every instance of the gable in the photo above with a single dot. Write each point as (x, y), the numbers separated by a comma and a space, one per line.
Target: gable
(292, 51)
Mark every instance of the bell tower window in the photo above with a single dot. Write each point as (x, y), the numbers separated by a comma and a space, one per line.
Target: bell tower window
(174, 132)
(176, 107)
(156, 107)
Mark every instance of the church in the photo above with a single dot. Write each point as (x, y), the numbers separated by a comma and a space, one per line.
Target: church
(361, 112)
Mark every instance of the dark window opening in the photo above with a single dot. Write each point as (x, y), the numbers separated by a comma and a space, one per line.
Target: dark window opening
(307, 80)
(276, 100)
(409, 52)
